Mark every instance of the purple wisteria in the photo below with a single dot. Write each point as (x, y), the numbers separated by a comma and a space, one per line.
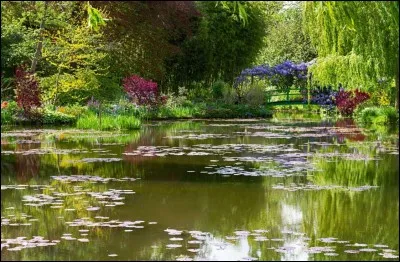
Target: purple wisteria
(282, 74)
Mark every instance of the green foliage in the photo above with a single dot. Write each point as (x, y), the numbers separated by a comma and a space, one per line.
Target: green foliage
(237, 9)
(223, 45)
(73, 110)
(378, 116)
(75, 57)
(357, 42)
(230, 95)
(9, 112)
(95, 18)
(108, 122)
(199, 92)
(218, 89)
(17, 44)
(255, 94)
(55, 117)
(285, 40)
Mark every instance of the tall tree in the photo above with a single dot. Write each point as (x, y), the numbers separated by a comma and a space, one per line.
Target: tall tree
(38, 52)
(357, 42)
(285, 39)
(223, 44)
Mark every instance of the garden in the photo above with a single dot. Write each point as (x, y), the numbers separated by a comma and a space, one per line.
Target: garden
(199, 130)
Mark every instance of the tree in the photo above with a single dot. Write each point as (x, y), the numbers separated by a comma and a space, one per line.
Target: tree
(357, 42)
(75, 56)
(143, 35)
(285, 39)
(222, 46)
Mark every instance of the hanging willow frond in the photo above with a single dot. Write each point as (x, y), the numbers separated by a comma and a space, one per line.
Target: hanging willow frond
(95, 18)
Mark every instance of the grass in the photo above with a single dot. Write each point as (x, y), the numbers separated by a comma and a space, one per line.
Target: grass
(108, 122)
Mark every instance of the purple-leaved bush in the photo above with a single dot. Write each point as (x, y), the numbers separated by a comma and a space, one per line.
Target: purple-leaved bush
(142, 91)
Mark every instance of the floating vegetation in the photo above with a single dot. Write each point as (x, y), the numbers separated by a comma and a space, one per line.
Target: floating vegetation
(84, 205)
(19, 243)
(173, 245)
(85, 178)
(80, 222)
(198, 136)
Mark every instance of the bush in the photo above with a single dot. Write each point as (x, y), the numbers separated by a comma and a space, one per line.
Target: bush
(55, 117)
(255, 95)
(378, 115)
(9, 109)
(142, 91)
(218, 88)
(347, 101)
(198, 92)
(74, 110)
(27, 91)
(178, 100)
(229, 95)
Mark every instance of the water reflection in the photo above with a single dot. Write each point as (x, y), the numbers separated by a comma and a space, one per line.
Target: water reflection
(231, 210)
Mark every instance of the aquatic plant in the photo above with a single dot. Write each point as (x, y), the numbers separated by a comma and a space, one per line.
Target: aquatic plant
(108, 122)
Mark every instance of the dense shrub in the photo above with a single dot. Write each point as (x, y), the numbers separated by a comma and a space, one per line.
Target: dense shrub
(142, 91)
(378, 115)
(230, 96)
(218, 88)
(198, 92)
(255, 95)
(9, 109)
(73, 110)
(179, 99)
(347, 101)
(27, 91)
(55, 118)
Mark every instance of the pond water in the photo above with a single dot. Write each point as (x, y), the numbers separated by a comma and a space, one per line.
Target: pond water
(201, 190)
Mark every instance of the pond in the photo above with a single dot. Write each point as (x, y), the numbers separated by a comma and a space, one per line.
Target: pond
(201, 190)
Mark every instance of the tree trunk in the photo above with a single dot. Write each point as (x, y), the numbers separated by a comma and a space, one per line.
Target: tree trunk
(40, 43)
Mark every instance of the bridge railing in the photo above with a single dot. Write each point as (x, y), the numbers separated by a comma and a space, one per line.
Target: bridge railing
(287, 93)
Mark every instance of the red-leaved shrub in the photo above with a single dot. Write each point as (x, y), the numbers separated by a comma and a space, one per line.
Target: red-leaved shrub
(27, 90)
(347, 101)
(142, 91)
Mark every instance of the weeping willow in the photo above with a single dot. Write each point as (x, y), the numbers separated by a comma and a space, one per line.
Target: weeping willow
(357, 42)
(95, 19)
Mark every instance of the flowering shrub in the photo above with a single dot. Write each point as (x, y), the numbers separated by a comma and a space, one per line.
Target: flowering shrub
(325, 97)
(8, 111)
(27, 89)
(282, 75)
(347, 101)
(142, 91)
(4, 104)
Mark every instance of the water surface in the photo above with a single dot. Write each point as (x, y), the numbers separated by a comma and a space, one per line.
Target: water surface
(201, 190)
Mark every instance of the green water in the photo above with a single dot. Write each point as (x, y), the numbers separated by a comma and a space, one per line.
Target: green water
(257, 190)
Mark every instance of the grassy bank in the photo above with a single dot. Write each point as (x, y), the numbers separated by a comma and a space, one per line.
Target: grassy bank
(128, 117)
